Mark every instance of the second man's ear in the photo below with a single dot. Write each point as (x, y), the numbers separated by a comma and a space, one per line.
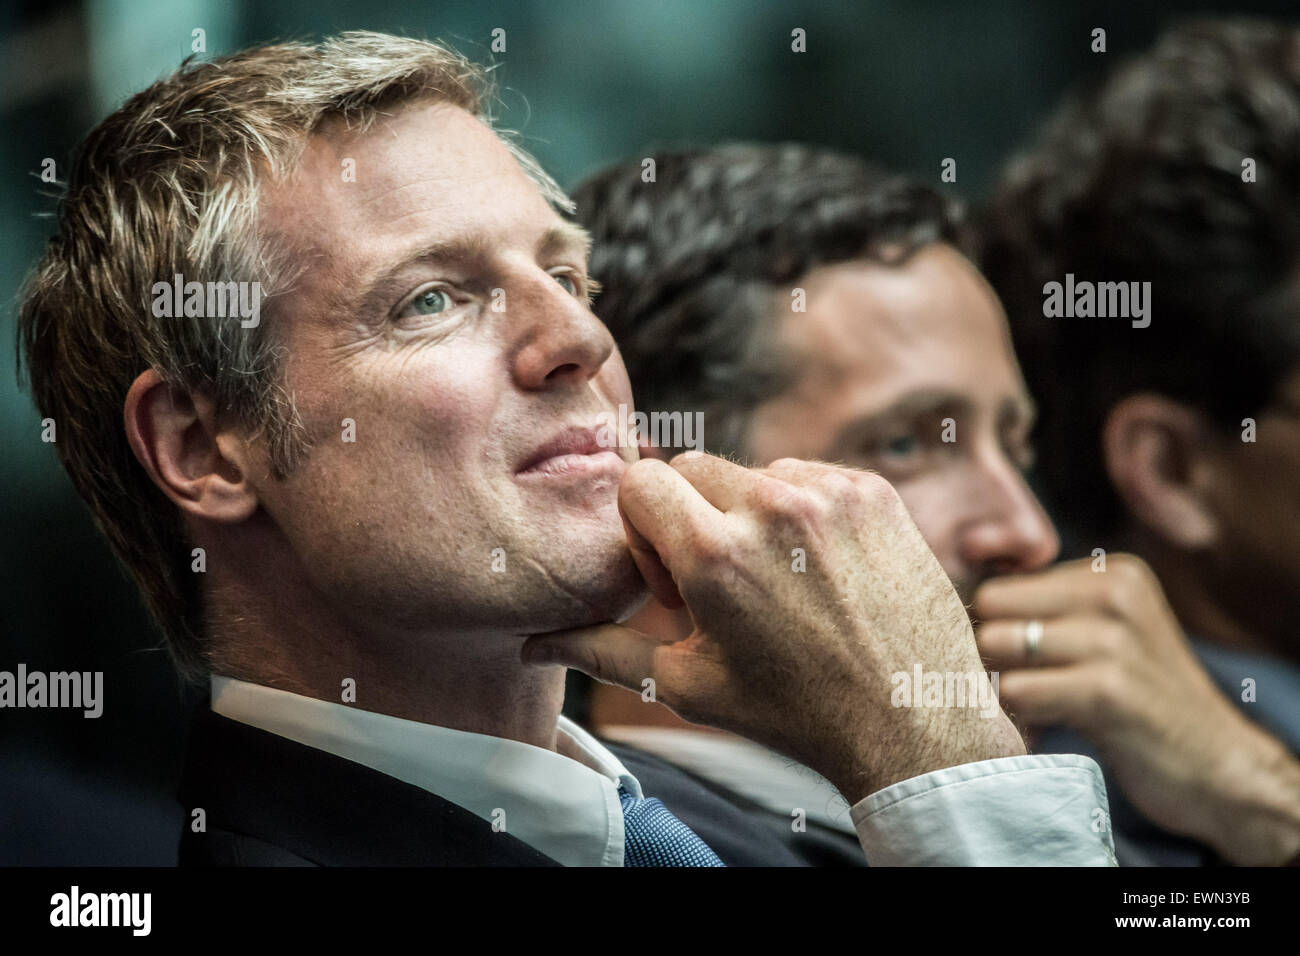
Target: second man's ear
(178, 440)
(1159, 464)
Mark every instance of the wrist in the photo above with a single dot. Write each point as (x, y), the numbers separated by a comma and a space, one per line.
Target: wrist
(943, 744)
(1254, 810)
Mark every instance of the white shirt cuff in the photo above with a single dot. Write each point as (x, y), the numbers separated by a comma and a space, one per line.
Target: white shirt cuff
(1042, 810)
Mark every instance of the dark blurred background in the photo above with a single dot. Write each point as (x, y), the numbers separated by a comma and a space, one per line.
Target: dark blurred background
(587, 82)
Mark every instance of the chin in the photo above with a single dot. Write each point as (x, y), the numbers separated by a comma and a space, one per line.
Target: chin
(615, 589)
(598, 587)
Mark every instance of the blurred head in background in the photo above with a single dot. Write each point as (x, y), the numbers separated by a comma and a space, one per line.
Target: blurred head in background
(1179, 440)
(810, 306)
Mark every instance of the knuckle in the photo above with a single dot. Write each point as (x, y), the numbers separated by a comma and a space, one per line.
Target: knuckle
(710, 547)
(1125, 597)
(683, 457)
(1109, 690)
(790, 504)
(842, 490)
(1131, 583)
(1111, 639)
(1133, 569)
(881, 499)
(1126, 563)
(875, 487)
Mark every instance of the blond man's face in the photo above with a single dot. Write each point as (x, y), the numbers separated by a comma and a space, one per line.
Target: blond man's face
(443, 315)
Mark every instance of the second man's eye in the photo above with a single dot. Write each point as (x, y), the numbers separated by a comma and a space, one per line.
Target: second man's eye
(565, 280)
(901, 445)
(431, 302)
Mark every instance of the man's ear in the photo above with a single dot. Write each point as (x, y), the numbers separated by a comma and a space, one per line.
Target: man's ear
(175, 436)
(1159, 463)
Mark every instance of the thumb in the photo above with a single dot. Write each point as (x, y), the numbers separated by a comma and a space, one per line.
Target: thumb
(610, 653)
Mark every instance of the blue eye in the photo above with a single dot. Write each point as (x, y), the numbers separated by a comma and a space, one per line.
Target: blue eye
(431, 302)
(901, 445)
(570, 286)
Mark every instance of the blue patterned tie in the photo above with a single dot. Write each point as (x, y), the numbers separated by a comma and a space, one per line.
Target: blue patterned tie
(652, 836)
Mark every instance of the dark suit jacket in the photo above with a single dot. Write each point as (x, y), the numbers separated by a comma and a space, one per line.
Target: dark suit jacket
(270, 801)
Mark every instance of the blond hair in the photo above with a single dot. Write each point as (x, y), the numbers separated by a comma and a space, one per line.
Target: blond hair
(169, 184)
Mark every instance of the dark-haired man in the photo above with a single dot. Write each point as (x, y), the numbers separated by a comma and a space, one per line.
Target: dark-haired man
(1175, 435)
(807, 305)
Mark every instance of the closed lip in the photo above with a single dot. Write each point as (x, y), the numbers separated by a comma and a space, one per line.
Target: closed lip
(570, 441)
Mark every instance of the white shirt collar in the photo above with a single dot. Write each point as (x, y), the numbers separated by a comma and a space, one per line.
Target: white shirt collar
(767, 778)
(564, 805)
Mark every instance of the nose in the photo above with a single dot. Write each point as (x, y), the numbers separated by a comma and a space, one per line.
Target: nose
(558, 340)
(1009, 532)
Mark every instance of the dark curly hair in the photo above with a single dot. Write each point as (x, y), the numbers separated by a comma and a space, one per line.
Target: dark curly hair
(1142, 178)
(694, 264)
